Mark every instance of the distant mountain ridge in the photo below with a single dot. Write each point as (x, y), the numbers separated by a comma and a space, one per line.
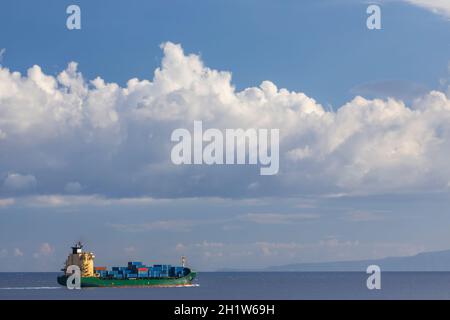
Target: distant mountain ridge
(426, 261)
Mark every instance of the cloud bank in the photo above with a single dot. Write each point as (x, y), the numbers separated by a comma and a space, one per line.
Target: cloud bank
(64, 134)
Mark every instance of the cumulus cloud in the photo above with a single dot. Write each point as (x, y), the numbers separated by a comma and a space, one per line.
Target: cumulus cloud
(18, 252)
(45, 250)
(399, 89)
(114, 141)
(441, 7)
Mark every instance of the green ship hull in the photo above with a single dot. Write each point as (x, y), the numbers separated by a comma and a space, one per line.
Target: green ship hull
(95, 282)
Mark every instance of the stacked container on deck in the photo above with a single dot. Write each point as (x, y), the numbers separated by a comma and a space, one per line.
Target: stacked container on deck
(138, 270)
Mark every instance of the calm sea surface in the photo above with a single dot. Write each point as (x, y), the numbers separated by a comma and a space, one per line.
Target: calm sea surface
(244, 285)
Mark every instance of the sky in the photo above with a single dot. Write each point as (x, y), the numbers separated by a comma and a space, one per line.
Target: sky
(86, 118)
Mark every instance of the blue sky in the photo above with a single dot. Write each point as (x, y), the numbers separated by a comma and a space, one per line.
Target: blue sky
(359, 179)
(322, 48)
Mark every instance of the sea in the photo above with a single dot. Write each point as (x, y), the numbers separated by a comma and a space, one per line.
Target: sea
(243, 286)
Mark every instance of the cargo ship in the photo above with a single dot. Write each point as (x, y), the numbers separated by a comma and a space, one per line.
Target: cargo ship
(135, 274)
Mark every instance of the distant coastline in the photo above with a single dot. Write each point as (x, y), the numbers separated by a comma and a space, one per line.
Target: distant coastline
(436, 261)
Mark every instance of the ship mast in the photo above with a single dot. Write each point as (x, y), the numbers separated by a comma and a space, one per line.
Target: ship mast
(77, 248)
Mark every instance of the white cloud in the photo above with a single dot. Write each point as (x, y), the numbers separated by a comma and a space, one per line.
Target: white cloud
(299, 153)
(7, 202)
(180, 247)
(18, 182)
(208, 244)
(123, 135)
(45, 250)
(18, 252)
(441, 7)
(2, 54)
(57, 200)
(398, 89)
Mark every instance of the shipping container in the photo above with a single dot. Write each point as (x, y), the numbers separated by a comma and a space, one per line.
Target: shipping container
(155, 274)
(99, 268)
(102, 273)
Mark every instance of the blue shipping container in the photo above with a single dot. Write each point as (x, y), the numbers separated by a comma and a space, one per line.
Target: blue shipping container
(156, 274)
(102, 273)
